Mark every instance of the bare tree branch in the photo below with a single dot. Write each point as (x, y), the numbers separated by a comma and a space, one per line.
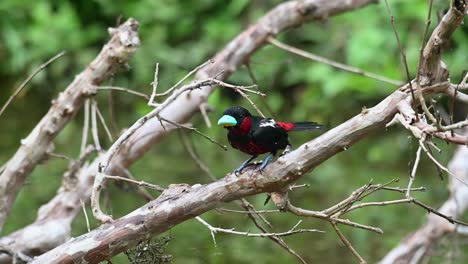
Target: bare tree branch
(30, 77)
(332, 63)
(413, 248)
(116, 52)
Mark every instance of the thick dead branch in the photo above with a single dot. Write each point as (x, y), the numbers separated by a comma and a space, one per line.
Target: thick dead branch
(117, 51)
(432, 68)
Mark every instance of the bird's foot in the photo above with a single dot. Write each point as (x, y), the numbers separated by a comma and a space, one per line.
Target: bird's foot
(239, 170)
(265, 162)
(286, 150)
(244, 165)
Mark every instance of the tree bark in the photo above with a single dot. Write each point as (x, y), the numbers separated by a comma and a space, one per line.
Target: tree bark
(115, 53)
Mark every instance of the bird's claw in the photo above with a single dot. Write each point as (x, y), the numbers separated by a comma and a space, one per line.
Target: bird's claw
(241, 168)
(286, 150)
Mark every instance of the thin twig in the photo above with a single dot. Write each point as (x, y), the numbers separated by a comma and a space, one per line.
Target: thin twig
(193, 154)
(86, 215)
(383, 203)
(413, 171)
(59, 156)
(25, 82)
(103, 122)
(183, 79)
(403, 55)
(437, 163)
(346, 242)
(332, 63)
(248, 212)
(154, 84)
(140, 183)
(377, 187)
(262, 99)
(194, 130)
(94, 126)
(84, 137)
(432, 210)
(457, 125)
(352, 198)
(292, 231)
(242, 88)
(246, 97)
(141, 190)
(203, 107)
(276, 239)
(121, 89)
(292, 187)
(426, 111)
(423, 42)
(316, 214)
(403, 190)
(249, 207)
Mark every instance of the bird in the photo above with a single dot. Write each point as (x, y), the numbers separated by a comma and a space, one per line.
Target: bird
(256, 135)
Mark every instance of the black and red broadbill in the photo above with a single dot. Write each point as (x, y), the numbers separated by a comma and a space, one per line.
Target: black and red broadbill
(256, 135)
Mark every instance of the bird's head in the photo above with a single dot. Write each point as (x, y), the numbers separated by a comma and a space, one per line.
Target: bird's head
(233, 117)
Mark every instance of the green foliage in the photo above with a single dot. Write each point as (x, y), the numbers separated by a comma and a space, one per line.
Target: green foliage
(183, 34)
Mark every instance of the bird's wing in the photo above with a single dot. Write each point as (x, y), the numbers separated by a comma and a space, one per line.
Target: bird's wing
(269, 135)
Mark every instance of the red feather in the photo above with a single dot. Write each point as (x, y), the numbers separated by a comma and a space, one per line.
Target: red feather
(286, 126)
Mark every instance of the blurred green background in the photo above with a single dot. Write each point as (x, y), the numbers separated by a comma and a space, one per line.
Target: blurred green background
(183, 34)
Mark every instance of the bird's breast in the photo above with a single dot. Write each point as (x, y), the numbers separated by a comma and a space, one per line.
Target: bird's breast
(250, 148)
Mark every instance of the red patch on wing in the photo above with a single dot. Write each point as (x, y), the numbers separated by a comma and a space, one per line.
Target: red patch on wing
(286, 126)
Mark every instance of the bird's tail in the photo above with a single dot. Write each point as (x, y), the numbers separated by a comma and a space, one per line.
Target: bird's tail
(299, 126)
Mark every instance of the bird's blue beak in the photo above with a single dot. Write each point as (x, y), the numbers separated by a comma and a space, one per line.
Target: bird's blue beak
(227, 121)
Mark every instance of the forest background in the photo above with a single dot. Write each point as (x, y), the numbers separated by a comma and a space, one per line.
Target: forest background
(180, 35)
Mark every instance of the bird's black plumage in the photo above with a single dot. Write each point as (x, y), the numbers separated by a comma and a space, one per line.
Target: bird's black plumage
(256, 135)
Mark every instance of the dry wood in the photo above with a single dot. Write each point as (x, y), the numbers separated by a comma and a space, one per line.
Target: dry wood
(116, 52)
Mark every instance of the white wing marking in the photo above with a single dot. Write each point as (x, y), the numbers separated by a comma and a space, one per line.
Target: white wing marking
(268, 123)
